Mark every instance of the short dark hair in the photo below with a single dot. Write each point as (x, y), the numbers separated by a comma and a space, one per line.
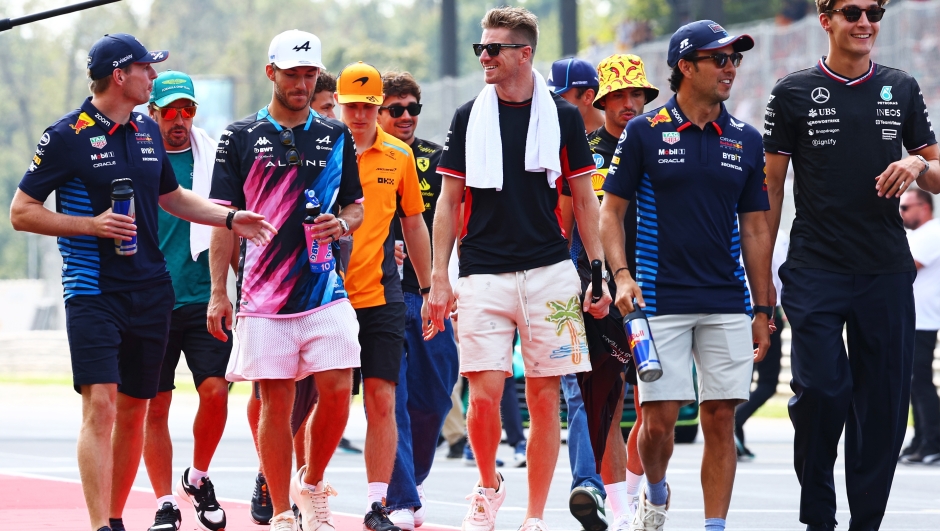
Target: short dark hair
(400, 84)
(97, 86)
(519, 20)
(325, 81)
(825, 6)
(924, 196)
(675, 78)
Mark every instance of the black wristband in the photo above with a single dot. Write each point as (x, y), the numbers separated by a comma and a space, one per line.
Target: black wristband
(229, 218)
(424, 291)
(767, 310)
(627, 269)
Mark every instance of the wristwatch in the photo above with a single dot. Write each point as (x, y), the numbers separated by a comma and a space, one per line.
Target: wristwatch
(767, 310)
(605, 274)
(344, 226)
(926, 165)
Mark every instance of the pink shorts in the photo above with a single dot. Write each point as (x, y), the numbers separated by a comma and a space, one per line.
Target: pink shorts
(543, 303)
(291, 348)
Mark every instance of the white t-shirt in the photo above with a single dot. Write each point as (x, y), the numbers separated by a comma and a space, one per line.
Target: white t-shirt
(925, 246)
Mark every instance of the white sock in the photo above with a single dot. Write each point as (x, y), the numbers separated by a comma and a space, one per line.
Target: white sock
(618, 498)
(196, 476)
(168, 498)
(377, 493)
(633, 483)
(420, 489)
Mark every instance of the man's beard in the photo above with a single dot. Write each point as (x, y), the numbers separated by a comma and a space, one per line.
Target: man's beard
(283, 99)
(177, 143)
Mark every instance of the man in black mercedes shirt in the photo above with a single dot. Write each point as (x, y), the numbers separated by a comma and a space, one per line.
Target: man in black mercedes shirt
(428, 368)
(844, 121)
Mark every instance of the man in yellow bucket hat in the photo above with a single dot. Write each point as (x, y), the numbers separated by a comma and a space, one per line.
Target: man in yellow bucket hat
(622, 93)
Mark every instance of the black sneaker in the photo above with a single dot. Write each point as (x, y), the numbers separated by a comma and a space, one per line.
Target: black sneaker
(209, 515)
(377, 519)
(922, 457)
(587, 506)
(347, 447)
(909, 450)
(115, 524)
(744, 455)
(261, 509)
(168, 518)
(456, 449)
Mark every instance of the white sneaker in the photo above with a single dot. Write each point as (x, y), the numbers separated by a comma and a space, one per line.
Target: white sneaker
(283, 522)
(403, 518)
(484, 503)
(634, 504)
(419, 514)
(313, 504)
(622, 523)
(533, 524)
(650, 517)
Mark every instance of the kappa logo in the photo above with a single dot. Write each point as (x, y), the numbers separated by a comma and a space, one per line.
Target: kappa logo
(305, 47)
(83, 122)
(262, 141)
(820, 95)
(671, 138)
(324, 140)
(99, 141)
(423, 163)
(886, 93)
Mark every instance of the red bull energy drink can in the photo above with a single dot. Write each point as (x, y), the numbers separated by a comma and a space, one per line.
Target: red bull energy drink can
(642, 347)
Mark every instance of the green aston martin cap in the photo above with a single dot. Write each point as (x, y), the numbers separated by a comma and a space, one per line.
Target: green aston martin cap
(171, 86)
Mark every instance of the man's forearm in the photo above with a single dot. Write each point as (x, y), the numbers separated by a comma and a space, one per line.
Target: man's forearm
(188, 205)
(221, 248)
(757, 248)
(776, 171)
(587, 214)
(32, 216)
(613, 237)
(352, 215)
(930, 181)
(418, 243)
(445, 227)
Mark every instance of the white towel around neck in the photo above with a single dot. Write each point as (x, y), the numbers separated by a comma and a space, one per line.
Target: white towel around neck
(484, 142)
(204, 147)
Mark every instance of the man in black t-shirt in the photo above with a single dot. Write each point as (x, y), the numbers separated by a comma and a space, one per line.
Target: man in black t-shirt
(514, 267)
(428, 368)
(844, 123)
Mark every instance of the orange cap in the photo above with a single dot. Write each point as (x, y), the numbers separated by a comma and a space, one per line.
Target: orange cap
(359, 82)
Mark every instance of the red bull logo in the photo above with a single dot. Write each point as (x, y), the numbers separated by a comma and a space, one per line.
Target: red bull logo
(84, 121)
(661, 117)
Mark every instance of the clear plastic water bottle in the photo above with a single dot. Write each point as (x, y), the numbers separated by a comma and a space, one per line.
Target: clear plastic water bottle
(645, 356)
(321, 254)
(122, 202)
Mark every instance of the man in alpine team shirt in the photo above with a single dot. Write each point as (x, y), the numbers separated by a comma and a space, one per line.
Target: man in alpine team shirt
(191, 152)
(624, 91)
(697, 176)
(519, 278)
(117, 306)
(290, 321)
(387, 170)
(428, 368)
(845, 123)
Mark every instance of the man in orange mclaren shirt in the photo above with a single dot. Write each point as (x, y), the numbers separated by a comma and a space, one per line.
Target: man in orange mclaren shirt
(390, 186)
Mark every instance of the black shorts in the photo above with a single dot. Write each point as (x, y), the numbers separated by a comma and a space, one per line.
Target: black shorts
(120, 338)
(306, 396)
(206, 356)
(382, 339)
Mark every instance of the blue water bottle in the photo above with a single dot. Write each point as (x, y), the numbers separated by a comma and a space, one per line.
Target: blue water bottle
(645, 356)
(321, 255)
(122, 202)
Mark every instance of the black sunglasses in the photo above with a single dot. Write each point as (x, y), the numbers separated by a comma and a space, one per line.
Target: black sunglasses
(493, 48)
(397, 111)
(287, 138)
(854, 13)
(721, 59)
(905, 207)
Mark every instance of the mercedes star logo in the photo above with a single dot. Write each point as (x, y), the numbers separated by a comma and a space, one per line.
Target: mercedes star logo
(820, 95)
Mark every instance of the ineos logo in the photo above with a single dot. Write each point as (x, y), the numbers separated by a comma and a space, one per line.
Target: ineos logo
(820, 95)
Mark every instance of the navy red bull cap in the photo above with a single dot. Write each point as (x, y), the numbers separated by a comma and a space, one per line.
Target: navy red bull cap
(572, 73)
(703, 35)
(118, 51)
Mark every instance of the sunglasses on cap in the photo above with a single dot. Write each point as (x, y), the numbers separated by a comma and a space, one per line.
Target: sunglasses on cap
(169, 113)
(293, 155)
(493, 48)
(854, 13)
(397, 111)
(721, 59)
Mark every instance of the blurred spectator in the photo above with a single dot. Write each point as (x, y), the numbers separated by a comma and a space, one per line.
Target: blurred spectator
(791, 11)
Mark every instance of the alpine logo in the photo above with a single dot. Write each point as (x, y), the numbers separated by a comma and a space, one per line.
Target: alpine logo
(305, 47)
(262, 142)
(324, 140)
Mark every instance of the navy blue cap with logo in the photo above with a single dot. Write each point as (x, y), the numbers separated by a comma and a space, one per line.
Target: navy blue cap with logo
(118, 51)
(570, 73)
(703, 35)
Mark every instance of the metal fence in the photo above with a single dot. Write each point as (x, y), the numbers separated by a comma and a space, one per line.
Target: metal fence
(909, 40)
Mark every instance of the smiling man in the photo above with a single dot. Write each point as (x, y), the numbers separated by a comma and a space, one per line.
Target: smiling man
(697, 177)
(845, 122)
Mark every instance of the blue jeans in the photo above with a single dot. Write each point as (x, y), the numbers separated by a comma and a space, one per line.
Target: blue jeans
(580, 453)
(422, 400)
